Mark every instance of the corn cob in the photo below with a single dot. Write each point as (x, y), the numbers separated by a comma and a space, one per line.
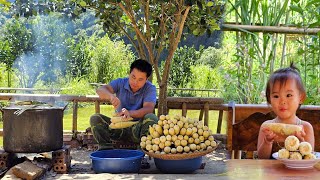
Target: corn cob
(122, 124)
(120, 119)
(284, 129)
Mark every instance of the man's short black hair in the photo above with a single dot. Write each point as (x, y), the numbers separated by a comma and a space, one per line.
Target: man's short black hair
(142, 65)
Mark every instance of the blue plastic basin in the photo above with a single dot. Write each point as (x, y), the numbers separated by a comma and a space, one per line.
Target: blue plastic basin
(178, 166)
(116, 161)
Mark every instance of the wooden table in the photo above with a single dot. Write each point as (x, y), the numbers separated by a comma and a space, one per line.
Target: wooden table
(265, 169)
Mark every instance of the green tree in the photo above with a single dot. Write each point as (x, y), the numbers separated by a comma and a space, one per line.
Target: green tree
(211, 56)
(78, 57)
(14, 40)
(110, 59)
(180, 72)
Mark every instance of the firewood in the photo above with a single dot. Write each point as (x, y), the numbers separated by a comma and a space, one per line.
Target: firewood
(27, 170)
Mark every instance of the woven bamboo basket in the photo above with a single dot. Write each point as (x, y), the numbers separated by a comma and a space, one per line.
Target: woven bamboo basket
(180, 156)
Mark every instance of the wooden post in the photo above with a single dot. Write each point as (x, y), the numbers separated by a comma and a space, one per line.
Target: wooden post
(201, 115)
(231, 111)
(75, 117)
(237, 154)
(219, 121)
(206, 114)
(184, 109)
(97, 106)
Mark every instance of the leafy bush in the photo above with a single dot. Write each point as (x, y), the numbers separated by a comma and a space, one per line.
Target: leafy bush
(78, 86)
(205, 77)
(180, 72)
(78, 61)
(110, 59)
(211, 56)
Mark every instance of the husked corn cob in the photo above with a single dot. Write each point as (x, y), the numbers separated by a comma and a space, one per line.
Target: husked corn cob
(178, 135)
(122, 124)
(119, 119)
(294, 149)
(284, 129)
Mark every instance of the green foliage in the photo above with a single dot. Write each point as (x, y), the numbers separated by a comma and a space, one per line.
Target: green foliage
(110, 59)
(308, 51)
(3, 76)
(4, 5)
(211, 57)
(78, 86)
(14, 40)
(205, 77)
(180, 72)
(78, 57)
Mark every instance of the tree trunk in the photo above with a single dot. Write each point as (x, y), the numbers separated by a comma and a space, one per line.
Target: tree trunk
(175, 37)
(162, 100)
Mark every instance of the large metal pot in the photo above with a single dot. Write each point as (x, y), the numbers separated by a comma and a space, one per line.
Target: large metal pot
(38, 129)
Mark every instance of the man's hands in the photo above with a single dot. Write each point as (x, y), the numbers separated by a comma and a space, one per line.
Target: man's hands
(125, 114)
(115, 102)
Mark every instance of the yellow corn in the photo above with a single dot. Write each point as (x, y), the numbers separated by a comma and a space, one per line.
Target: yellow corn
(119, 119)
(122, 124)
(284, 129)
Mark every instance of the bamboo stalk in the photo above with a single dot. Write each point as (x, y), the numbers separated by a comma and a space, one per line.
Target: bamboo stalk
(269, 29)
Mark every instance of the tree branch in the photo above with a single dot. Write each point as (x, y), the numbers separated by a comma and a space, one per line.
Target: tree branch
(175, 42)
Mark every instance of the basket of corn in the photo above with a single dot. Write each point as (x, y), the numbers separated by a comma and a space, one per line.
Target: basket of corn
(177, 143)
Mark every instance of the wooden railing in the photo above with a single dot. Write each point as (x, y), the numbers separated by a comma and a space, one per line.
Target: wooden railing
(31, 90)
(183, 103)
(184, 92)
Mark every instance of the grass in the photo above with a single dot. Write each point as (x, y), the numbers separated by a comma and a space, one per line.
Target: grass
(84, 114)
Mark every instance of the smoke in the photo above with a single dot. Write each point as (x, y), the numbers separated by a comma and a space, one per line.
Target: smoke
(46, 61)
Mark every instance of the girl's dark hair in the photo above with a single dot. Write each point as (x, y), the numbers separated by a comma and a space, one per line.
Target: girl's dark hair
(282, 75)
(142, 65)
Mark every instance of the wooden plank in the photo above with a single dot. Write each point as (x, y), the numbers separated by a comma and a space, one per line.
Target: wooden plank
(49, 97)
(195, 100)
(199, 106)
(264, 170)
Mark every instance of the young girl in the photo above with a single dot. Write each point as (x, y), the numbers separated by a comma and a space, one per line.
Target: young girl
(285, 93)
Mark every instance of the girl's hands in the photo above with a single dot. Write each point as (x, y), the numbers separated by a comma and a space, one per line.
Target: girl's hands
(301, 135)
(270, 136)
